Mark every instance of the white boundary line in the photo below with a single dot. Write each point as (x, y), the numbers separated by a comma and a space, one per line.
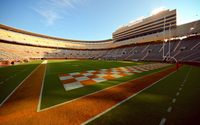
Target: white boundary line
(102, 90)
(163, 120)
(173, 100)
(41, 90)
(18, 86)
(186, 77)
(169, 109)
(126, 99)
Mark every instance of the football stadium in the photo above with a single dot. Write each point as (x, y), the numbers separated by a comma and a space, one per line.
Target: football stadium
(147, 73)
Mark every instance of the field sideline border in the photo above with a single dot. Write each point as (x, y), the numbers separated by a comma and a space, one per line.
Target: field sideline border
(41, 90)
(100, 90)
(19, 85)
(95, 117)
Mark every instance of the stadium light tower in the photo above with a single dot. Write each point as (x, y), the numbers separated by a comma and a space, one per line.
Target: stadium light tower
(164, 40)
(169, 40)
(171, 57)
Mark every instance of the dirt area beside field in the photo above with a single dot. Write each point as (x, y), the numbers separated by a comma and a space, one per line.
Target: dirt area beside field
(23, 102)
(22, 105)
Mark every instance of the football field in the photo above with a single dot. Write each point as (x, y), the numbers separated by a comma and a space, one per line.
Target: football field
(99, 92)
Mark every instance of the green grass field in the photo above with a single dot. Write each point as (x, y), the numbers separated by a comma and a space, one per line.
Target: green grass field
(53, 90)
(150, 106)
(12, 76)
(147, 107)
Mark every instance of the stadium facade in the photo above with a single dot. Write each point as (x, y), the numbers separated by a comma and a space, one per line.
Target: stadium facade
(157, 23)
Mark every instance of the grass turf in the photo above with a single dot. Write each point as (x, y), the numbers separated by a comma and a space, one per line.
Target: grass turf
(12, 76)
(150, 106)
(53, 91)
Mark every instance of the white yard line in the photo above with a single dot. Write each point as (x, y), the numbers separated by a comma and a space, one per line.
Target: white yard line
(173, 100)
(169, 109)
(177, 94)
(18, 86)
(41, 91)
(163, 120)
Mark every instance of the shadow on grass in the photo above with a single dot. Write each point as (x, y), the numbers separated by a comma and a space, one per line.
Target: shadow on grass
(12, 76)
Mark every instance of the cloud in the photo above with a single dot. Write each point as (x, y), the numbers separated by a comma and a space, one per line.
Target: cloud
(63, 3)
(49, 15)
(53, 10)
(158, 10)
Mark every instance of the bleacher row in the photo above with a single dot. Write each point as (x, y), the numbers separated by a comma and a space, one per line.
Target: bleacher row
(21, 38)
(186, 50)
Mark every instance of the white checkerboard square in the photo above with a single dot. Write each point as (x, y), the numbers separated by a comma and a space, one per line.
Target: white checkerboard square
(74, 73)
(65, 77)
(81, 78)
(141, 68)
(99, 79)
(73, 85)
(135, 70)
(91, 71)
(114, 70)
(103, 69)
(101, 75)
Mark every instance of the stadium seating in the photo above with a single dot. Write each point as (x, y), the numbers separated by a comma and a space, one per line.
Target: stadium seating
(21, 38)
(16, 46)
(183, 50)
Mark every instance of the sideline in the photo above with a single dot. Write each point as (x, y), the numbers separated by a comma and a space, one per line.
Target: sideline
(41, 91)
(19, 85)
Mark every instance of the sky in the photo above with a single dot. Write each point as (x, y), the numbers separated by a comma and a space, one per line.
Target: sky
(87, 19)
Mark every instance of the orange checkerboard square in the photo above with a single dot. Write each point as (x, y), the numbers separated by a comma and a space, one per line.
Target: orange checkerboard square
(88, 82)
(109, 77)
(69, 81)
